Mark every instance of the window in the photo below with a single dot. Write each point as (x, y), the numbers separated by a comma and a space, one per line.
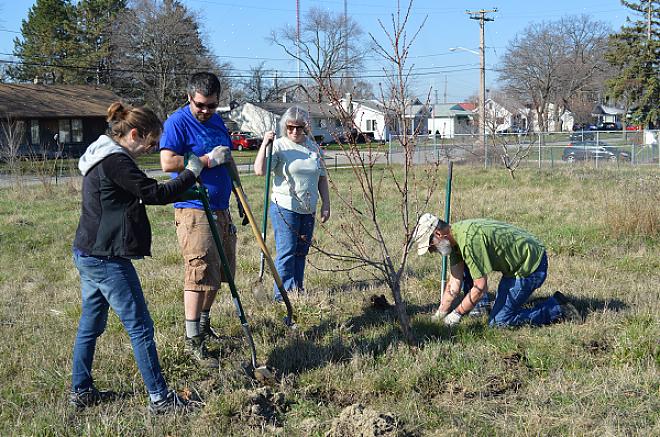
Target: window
(70, 131)
(34, 131)
(76, 130)
(371, 125)
(64, 135)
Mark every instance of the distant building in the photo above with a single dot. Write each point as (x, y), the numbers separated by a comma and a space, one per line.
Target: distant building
(264, 116)
(449, 119)
(47, 119)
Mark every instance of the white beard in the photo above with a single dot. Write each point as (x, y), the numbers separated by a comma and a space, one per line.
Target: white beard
(444, 247)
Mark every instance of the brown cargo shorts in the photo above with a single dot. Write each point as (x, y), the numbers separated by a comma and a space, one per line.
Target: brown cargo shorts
(204, 270)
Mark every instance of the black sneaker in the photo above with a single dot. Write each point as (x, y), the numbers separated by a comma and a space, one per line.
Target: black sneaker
(196, 347)
(90, 397)
(568, 311)
(172, 403)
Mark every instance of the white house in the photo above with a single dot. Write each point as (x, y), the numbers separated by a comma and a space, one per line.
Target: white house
(373, 118)
(261, 117)
(449, 119)
(368, 116)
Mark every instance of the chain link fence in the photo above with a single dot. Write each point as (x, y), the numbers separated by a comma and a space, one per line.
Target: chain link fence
(535, 149)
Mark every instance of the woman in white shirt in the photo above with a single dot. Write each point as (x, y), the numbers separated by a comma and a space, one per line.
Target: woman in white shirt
(299, 179)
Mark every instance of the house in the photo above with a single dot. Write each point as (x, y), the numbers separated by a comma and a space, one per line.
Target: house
(372, 118)
(503, 117)
(369, 117)
(53, 118)
(449, 119)
(608, 114)
(264, 116)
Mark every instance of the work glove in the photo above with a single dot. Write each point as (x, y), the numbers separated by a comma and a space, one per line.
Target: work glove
(452, 319)
(218, 156)
(194, 165)
(439, 315)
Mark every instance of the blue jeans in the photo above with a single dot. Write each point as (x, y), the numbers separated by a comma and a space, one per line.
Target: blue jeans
(113, 282)
(512, 294)
(293, 234)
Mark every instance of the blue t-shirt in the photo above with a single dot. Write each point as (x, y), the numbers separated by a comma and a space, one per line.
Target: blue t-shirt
(183, 133)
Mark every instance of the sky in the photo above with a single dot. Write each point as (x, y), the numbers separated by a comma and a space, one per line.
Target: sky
(237, 31)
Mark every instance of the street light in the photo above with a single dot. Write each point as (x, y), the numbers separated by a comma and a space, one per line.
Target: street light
(482, 93)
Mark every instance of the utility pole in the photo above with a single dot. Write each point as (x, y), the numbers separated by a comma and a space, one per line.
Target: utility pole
(445, 96)
(481, 16)
(298, 39)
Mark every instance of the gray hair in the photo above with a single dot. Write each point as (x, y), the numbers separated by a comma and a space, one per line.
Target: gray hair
(296, 115)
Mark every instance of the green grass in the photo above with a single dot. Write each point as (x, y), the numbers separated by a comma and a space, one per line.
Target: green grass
(601, 227)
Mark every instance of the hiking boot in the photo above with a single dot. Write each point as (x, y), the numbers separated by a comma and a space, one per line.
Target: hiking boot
(568, 312)
(172, 403)
(196, 347)
(210, 337)
(89, 397)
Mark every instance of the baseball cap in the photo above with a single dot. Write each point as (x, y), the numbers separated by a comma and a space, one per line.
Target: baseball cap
(425, 227)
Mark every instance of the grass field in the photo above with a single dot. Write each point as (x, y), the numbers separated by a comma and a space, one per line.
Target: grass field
(599, 378)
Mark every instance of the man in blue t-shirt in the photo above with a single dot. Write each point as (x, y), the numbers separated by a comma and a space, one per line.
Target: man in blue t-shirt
(197, 128)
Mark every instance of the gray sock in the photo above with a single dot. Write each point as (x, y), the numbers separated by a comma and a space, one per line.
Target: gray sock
(204, 321)
(192, 328)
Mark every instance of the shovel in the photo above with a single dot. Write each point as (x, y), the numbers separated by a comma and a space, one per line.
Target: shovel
(264, 226)
(238, 190)
(260, 373)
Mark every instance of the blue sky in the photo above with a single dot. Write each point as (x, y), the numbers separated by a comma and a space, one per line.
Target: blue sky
(236, 32)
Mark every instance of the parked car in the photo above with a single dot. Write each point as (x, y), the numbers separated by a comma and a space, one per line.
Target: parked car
(609, 126)
(581, 150)
(241, 141)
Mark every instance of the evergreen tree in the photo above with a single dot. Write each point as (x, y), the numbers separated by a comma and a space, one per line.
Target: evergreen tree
(92, 28)
(45, 42)
(635, 52)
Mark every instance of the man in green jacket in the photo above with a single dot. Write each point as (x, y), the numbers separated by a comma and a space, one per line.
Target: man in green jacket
(477, 247)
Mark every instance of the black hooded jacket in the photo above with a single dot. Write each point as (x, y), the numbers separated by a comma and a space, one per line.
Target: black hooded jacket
(115, 191)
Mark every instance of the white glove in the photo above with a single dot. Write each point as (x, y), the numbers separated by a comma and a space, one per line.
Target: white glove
(439, 315)
(218, 156)
(452, 319)
(194, 165)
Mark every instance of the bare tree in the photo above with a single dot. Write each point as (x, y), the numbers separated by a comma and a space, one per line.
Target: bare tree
(157, 46)
(359, 242)
(13, 136)
(329, 45)
(256, 87)
(552, 61)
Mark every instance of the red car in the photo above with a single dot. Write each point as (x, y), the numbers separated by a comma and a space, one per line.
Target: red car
(240, 141)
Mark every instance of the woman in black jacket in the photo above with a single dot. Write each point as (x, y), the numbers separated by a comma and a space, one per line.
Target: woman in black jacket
(113, 230)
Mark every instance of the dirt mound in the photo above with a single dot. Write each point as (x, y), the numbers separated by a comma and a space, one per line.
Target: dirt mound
(264, 406)
(356, 420)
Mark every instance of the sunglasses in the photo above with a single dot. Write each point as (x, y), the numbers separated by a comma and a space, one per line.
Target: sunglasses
(292, 128)
(203, 106)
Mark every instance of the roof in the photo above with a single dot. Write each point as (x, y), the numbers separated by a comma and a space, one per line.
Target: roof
(607, 110)
(449, 110)
(54, 101)
(468, 106)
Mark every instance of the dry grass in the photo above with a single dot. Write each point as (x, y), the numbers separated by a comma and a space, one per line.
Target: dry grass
(598, 378)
